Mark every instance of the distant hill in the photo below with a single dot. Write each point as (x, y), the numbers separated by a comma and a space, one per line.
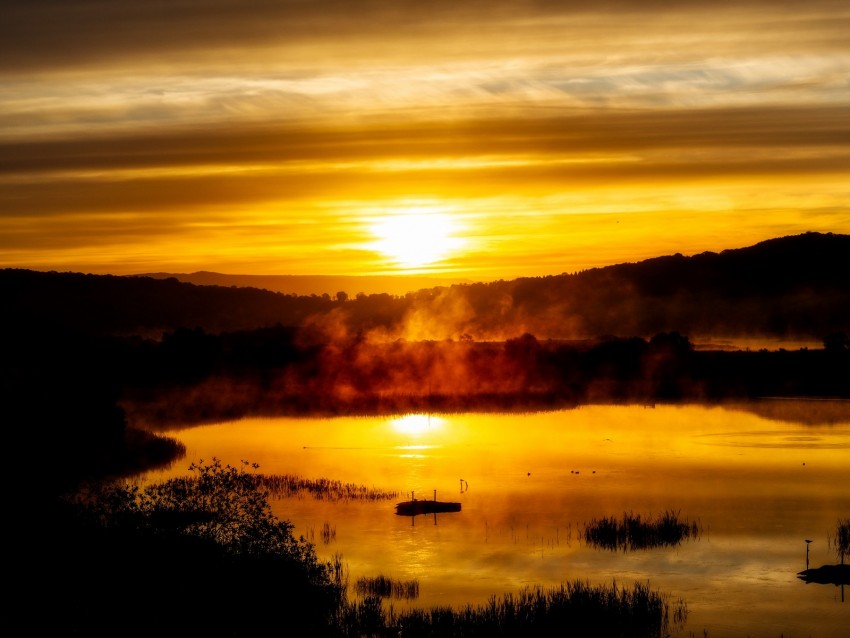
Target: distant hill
(109, 304)
(794, 287)
(314, 284)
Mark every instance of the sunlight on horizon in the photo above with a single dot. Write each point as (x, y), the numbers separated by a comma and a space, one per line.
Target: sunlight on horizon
(448, 140)
(415, 236)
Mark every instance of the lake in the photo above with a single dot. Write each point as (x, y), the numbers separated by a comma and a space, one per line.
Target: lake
(758, 478)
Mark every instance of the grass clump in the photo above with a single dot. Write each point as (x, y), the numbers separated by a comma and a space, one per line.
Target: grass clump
(634, 532)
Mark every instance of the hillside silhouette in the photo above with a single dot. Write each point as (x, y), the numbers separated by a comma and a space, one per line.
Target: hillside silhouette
(314, 284)
(790, 287)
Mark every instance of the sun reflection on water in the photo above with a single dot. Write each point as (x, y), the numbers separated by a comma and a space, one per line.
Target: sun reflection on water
(416, 424)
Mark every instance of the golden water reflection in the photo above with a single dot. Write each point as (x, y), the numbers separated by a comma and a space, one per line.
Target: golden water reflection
(529, 482)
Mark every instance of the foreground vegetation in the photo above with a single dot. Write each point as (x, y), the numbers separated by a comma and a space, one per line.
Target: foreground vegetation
(204, 554)
(574, 608)
(200, 554)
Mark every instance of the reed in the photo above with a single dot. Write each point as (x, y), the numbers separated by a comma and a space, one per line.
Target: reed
(280, 486)
(634, 532)
(386, 587)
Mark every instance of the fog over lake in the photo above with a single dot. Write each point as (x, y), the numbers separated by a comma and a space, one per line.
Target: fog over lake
(757, 479)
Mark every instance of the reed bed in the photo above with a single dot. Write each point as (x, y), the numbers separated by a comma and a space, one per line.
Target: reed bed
(387, 587)
(633, 532)
(571, 609)
(281, 486)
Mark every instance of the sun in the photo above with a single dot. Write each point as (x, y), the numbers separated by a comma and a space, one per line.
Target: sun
(416, 236)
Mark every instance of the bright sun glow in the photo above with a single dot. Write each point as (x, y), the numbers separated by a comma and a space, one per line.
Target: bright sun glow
(416, 236)
(415, 423)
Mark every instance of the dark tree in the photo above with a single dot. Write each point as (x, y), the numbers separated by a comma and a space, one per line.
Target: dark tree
(836, 342)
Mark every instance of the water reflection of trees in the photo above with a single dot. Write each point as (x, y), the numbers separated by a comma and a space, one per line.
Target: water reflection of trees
(195, 377)
(635, 532)
(798, 410)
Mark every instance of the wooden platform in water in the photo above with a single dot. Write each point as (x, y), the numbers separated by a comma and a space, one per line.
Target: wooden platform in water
(414, 507)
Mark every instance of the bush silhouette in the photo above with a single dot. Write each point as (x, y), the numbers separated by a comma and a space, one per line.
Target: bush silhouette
(206, 547)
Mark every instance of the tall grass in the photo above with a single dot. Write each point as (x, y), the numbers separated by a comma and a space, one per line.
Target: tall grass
(574, 608)
(282, 486)
(633, 532)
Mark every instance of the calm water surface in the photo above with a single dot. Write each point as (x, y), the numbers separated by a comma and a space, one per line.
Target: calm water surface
(757, 485)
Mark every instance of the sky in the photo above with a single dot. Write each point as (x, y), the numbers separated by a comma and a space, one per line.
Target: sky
(477, 140)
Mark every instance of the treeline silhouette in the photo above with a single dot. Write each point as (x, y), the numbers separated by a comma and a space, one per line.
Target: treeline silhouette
(791, 287)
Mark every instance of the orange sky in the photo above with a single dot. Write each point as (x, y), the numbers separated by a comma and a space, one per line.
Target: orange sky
(480, 140)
